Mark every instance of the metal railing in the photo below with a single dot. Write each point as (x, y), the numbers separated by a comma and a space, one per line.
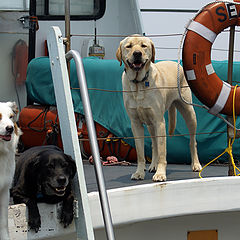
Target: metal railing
(93, 141)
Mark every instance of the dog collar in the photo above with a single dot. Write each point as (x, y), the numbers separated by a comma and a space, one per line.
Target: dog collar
(143, 80)
(39, 195)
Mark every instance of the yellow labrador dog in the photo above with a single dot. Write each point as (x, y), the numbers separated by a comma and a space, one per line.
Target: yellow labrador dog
(151, 90)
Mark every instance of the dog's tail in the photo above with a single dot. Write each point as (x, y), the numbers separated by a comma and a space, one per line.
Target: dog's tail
(172, 115)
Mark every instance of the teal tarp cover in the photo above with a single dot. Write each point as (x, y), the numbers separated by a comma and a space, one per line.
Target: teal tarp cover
(108, 109)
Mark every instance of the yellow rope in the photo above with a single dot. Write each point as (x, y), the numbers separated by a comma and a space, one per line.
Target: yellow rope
(230, 143)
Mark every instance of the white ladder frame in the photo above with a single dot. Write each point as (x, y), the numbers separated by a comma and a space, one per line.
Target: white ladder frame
(69, 133)
(68, 127)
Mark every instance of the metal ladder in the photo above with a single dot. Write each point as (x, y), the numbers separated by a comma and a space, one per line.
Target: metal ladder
(63, 97)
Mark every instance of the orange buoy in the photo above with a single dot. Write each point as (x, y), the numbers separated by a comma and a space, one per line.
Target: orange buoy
(198, 69)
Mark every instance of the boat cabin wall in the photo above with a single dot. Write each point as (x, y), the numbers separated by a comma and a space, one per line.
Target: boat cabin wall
(120, 18)
(14, 41)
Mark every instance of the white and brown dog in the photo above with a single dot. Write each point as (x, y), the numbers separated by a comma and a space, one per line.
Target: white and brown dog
(9, 135)
(149, 91)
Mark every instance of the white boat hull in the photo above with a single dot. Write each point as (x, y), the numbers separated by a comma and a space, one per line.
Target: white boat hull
(168, 210)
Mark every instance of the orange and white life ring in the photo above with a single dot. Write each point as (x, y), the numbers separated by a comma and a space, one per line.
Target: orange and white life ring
(199, 72)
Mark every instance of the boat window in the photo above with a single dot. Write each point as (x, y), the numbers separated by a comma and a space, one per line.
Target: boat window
(79, 9)
(14, 5)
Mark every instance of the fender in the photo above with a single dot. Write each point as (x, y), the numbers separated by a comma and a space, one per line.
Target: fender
(20, 61)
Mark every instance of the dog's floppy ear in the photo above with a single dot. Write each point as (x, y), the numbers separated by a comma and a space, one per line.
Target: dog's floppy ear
(72, 165)
(14, 108)
(119, 54)
(153, 52)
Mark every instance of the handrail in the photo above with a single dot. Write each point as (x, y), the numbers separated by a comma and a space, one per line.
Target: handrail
(93, 142)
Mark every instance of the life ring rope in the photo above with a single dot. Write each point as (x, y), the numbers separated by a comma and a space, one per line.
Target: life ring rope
(209, 35)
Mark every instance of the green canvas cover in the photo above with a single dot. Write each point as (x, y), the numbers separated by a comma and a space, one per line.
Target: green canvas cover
(108, 109)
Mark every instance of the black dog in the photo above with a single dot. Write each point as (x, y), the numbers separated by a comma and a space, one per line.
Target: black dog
(44, 174)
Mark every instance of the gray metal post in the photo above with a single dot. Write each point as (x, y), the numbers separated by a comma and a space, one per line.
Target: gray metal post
(93, 143)
(229, 79)
(67, 25)
(67, 41)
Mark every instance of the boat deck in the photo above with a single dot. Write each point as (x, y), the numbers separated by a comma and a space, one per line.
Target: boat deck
(120, 176)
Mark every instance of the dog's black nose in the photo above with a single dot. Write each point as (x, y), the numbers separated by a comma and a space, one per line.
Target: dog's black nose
(61, 180)
(137, 54)
(9, 129)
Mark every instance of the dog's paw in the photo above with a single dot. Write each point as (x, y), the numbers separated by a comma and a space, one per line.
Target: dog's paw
(152, 167)
(34, 223)
(138, 175)
(157, 177)
(196, 167)
(66, 218)
(34, 218)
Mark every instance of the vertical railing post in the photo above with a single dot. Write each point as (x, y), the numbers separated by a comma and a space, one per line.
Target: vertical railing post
(67, 41)
(229, 80)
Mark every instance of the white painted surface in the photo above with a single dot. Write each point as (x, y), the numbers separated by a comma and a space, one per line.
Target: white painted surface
(18, 227)
(174, 4)
(170, 199)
